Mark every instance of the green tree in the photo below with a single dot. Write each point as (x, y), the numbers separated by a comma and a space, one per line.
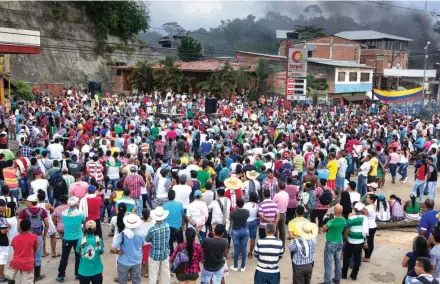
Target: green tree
(261, 73)
(222, 83)
(167, 73)
(241, 79)
(309, 31)
(180, 82)
(173, 29)
(189, 49)
(314, 85)
(142, 77)
(22, 90)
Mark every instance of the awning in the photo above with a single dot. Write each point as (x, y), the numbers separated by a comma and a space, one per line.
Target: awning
(356, 98)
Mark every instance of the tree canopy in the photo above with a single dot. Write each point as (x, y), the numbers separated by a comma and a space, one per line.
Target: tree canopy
(189, 49)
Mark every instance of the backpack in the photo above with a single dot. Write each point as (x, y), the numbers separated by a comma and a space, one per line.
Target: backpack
(36, 221)
(59, 186)
(423, 280)
(326, 197)
(180, 261)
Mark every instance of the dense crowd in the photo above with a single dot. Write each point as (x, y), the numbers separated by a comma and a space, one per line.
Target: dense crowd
(178, 187)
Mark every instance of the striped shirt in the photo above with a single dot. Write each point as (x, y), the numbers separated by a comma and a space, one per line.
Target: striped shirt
(268, 209)
(358, 228)
(268, 252)
(303, 251)
(95, 170)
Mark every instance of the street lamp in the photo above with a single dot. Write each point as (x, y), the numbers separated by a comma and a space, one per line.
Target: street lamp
(424, 69)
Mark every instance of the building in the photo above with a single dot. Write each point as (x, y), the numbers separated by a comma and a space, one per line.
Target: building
(380, 50)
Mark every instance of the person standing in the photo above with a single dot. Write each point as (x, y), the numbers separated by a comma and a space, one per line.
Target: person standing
(215, 250)
(282, 200)
(303, 252)
(134, 182)
(252, 221)
(355, 233)
(431, 178)
(197, 214)
(159, 236)
(10, 176)
(333, 246)
(39, 227)
(268, 252)
(363, 171)
(72, 219)
(79, 187)
(175, 219)
(268, 212)
(372, 226)
(90, 205)
(240, 234)
(10, 213)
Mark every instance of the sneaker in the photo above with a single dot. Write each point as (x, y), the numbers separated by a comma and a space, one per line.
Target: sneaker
(3, 280)
(243, 269)
(233, 268)
(59, 279)
(404, 180)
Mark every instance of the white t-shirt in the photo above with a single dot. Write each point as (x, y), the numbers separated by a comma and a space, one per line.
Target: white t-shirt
(40, 184)
(182, 194)
(354, 196)
(371, 216)
(253, 211)
(198, 211)
(56, 151)
(217, 215)
(364, 169)
(342, 167)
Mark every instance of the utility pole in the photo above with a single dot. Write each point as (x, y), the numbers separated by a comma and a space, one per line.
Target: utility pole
(424, 69)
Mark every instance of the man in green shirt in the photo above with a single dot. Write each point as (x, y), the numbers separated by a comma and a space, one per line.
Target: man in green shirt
(258, 162)
(203, 176)
(154, 131)
(118, 128)
(333, 246)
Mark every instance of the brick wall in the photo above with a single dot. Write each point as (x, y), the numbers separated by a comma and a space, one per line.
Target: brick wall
(370, 57)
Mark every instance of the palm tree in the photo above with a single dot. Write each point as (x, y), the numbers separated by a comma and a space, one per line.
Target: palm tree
(313, 85)
(142, 77)
(167, 73)
(261, 73)
(241, 78)
(180, 82)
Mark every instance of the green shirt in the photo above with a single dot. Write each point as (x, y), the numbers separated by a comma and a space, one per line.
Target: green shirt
(203, 177)
(335, 228)
(90, 263)
(154, 132)
(355, 224)
(118, 129)
(72, 224)
(258, 165)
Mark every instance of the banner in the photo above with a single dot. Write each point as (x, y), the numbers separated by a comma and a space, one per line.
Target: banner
(398, 96)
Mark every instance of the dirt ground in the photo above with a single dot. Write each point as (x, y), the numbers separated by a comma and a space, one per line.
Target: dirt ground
(385, 266)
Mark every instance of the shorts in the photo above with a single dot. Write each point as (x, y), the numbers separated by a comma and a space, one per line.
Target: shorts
(252, 227)
(4, 253)
(215, 276)
(182, 277)
(340, 182)
(331, 184)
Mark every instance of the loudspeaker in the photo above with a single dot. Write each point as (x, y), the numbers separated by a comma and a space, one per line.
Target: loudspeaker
(210, 105)
(94, 87)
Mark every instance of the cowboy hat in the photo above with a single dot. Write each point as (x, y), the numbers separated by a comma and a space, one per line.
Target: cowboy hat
(132, 221)
(252, 174)
(159, 214)
(233, 183)
(308, 230)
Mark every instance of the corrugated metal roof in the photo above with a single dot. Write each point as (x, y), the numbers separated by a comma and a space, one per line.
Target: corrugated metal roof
(282, 34)
(338, 63)
(369, 34)
(262, 54)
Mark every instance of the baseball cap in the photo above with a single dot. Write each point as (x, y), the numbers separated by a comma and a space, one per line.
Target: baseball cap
(133, 169)
(91, 189)
(32, 198)
(38, 172)
(198, 193)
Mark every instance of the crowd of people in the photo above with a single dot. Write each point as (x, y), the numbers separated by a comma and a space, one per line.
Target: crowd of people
(178, 187)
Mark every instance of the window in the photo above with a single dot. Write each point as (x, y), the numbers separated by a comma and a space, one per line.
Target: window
(341, 76)
(365, 77)
(353, 76)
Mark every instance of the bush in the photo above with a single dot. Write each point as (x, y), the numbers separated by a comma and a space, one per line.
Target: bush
(22, 91)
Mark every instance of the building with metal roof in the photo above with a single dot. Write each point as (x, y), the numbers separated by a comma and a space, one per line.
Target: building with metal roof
(369, 35)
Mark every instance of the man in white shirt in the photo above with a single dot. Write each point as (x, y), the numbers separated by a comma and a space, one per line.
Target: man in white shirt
(220, 208)
(363, 171)
(342, 168)
(56, 150)
(182, 191)
(197, 214)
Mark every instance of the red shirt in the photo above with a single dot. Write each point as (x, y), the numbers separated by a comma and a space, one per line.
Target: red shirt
(421, 174)
(94, 206)
(25, 245)
(238, 195)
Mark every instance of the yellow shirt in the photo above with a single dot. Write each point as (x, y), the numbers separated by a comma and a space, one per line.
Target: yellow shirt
(295, 224)
(332, 167)
(114, 149)
(184, 160)
(374, 162)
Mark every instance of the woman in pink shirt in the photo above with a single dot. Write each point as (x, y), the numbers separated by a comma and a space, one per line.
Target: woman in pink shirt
(392, 164)
(292, 191)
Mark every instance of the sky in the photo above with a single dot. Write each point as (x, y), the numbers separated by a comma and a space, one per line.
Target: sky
(207, 14)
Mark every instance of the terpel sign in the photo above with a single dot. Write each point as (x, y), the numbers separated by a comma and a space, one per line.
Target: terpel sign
(297, 62)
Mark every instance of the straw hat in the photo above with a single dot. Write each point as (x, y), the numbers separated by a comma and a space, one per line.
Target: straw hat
(373, 185)
(233, 183)
(308, 230)
(252, 174)
(159, 214)
(132, 221)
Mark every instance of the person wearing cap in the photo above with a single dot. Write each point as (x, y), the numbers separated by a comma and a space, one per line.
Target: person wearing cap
(355, 232)
(79, 187)
(72, 219)
(90, 250)
(159, 236)
(303, 252)
(23, 259)
(197, 215)
(134, 182)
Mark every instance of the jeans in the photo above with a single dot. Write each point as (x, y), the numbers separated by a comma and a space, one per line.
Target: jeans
(266, 278)
(214, 277)
(240, 238)
(202, 236)
(14, 192)
(95, 279)
(332, 252)
(418, 188)
(114, 183)
(431, 189)
(350, 250)
(129, 271)
(252, 227)
(65, 251)
(282, 228)
(175, 235)
(393, 169)
(147, 198)
(362, 185)
(57, 203)
(23, 183)
(50, 194)
(106, 206)
(403, 170)
(39, 252)
(139, 206)
(156, 268)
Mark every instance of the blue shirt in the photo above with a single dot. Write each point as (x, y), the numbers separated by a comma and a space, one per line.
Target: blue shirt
(174, 219)
(428, 222)
(206, 147)
(323, 173)
(132, 249)
(420, 143)
(72, 225)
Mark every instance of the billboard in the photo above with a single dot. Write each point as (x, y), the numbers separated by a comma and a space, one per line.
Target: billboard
(297, 62)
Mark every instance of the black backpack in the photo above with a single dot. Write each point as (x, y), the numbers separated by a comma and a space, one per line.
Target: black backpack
(59, 185)
(326, 197)
(423, 280)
